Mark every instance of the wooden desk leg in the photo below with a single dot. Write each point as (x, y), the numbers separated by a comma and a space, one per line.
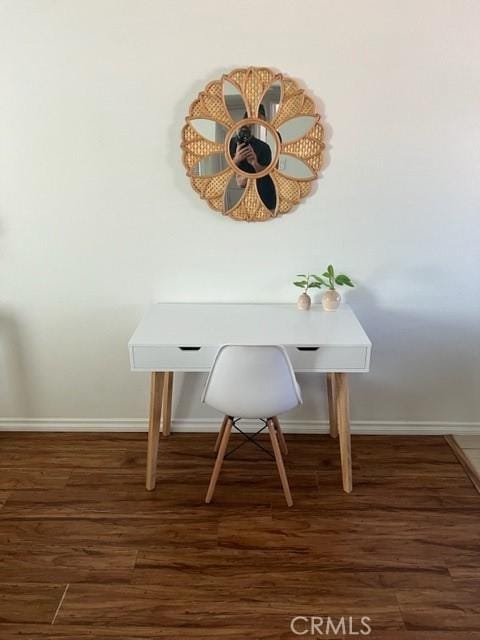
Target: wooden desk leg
(343, 417)
(167, 403)
(156, 391)
(332, 405)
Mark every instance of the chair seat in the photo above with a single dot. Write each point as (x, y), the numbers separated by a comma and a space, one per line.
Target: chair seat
(252, 382)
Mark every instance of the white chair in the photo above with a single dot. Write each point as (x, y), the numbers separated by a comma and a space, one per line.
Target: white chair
(252, 382)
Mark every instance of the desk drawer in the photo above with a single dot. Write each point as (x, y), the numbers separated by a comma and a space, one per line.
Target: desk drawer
(328, 358)
(173, 358)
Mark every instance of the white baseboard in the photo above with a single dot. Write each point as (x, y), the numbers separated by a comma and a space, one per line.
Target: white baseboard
(389, 427)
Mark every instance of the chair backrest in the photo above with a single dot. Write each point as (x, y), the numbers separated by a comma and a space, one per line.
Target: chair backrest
(252, 382)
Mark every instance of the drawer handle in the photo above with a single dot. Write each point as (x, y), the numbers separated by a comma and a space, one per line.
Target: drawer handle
(308, 348)
(190, 348)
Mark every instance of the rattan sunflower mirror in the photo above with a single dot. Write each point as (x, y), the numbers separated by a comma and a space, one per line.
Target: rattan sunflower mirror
(252, 144)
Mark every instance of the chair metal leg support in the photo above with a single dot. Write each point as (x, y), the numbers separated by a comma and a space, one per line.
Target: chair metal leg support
(249, 438)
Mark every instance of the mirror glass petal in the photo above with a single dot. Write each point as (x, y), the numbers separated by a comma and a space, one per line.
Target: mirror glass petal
(293, 167)
(296, 128)
(233, 193)
(270, 102)
(209, 129)
(210, 165)
(267, 192)
(234, 101)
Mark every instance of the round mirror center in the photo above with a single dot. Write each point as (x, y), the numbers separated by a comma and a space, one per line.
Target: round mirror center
(252, 147)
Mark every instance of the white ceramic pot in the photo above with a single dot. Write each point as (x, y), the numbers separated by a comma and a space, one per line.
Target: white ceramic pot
(331, 300)
(304, 302)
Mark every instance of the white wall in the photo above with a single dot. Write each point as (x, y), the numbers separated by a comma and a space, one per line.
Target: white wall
(98, 218)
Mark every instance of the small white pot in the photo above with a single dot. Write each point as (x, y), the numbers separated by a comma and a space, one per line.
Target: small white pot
(304, 302)
(331, 300)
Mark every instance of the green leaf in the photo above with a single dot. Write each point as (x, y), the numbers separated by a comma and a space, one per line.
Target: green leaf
(300, 283)
(342, 279)
(326, 274)
(301, 275)
(315, 285)
(330, 270)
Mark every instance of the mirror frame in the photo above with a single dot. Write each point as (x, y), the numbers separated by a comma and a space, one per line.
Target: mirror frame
(252, 84)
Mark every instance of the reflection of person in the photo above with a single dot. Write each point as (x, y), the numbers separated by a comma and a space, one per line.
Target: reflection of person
(252, 155)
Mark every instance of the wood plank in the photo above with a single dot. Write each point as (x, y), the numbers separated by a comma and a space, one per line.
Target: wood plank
(62, 563)
(57, 440)
(159, 604)
(466, 577)
(35, 603)
(33, 479)
(455, 609)
(247, 567)
(179, 528)
(375, 552)
(39, 458)
(232, 627)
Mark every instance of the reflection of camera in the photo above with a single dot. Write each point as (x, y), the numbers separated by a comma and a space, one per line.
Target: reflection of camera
(244, 135)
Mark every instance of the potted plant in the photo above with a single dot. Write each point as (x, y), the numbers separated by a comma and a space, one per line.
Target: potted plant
(331, 298)
(309, 281)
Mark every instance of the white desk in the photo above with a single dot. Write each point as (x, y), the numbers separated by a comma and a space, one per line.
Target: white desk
(185, 337)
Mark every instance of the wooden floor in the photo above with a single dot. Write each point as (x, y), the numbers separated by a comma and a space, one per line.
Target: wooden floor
(86, 552)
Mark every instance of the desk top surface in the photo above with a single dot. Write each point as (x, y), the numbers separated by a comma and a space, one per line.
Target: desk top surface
(202, 324)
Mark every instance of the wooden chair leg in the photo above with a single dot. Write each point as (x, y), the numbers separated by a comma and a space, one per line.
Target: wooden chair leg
(167, 403)
(156, 387)
(332, 405)
(279, 460)
(281, 437)
(341, 386)
(219, 461)
(220, 434)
